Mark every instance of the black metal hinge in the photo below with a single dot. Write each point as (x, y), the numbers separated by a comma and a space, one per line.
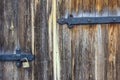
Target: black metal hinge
(70, 21)
(16, 57)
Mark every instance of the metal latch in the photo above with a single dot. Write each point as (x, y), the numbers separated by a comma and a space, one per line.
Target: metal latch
(70, 21)
(16, 57)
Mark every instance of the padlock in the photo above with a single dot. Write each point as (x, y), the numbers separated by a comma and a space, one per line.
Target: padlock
(25, 63)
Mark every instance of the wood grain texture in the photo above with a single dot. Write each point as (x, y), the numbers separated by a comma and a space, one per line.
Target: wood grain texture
(9, 39)
(118, 47)
(88, 39)
(112, 45)
(85, 52)
(92, 39)
(76, 44)
(65, 54)
(101, 36)
(50, 38)
(24, 33)
(13, 20)
(42, 61)
(1, 35)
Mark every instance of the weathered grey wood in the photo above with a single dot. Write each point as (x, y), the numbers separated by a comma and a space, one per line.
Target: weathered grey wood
(87, 52)
(24, 33)
(41, 42)
(8, 36)
(65, 54)
(11, 24)
(1, 34)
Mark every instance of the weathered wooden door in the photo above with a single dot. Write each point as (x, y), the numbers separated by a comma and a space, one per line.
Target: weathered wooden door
(85, 52)
(15, 32)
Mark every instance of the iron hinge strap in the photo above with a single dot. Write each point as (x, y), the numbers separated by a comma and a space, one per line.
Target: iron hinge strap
(70, 21)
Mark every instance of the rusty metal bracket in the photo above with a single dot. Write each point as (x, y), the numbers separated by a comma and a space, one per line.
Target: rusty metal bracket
(70, 21)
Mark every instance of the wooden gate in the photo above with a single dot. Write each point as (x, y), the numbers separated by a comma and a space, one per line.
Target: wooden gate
(85, 52)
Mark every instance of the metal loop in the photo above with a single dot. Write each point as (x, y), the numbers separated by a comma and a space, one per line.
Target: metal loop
(24, 59)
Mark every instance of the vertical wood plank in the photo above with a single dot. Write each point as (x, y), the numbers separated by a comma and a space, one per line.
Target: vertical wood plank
(85, 43)
(118, 47)
(56, 55)
(1, 24)
(9, 39)
(76, 42)
(91, 42)
(24, 25)
(50, 38)
(118, 56)
(112, 45)
(25, 38)
(65, 51)
(32, 7)
(101, 10)
(9, 28)
(41, 44)
(1, 35)
(88, 38)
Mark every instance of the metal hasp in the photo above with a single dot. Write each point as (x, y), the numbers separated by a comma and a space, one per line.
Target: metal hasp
(70, 21)
(16, 57)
